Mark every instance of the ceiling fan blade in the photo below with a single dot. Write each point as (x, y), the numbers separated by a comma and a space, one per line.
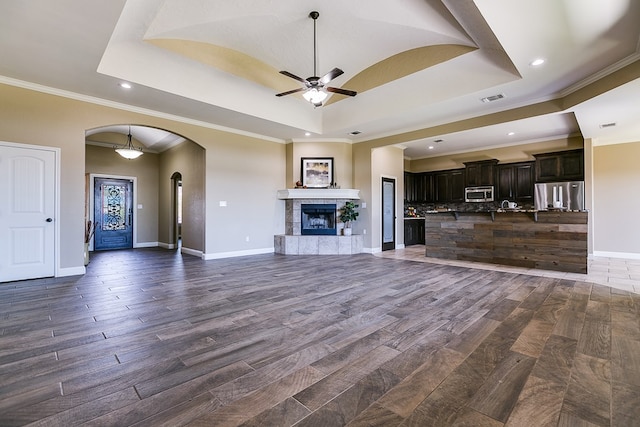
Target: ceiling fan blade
(293, 76)
(289, 92)
(331, 75)
(341, 91)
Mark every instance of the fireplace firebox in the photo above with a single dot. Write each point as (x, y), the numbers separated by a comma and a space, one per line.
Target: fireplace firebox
(318, 219)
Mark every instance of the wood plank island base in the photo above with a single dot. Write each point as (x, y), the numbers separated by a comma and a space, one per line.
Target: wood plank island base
(544, 240)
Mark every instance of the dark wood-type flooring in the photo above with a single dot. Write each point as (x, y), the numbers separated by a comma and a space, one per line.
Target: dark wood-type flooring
(149, 337)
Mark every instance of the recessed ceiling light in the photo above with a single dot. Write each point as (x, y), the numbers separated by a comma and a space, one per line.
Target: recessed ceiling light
(511, 133)
(431, 147)
(355, 132)
(125, 85)
(307, 134)
(537, 62)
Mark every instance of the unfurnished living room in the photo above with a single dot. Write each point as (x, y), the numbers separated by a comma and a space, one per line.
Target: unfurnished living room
(320, 213)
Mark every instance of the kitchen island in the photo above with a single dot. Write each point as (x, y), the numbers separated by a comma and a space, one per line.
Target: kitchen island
(549, 240)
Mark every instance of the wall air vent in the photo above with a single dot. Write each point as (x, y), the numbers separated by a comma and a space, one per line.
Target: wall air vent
(607, 125)
(492, 98)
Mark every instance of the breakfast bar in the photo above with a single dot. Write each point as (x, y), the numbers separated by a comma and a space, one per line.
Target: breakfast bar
(550, 240)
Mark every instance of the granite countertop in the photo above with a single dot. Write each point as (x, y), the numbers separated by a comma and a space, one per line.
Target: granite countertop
(500, 210)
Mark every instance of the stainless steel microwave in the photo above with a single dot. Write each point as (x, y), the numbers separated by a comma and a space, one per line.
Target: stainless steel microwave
(478, 194)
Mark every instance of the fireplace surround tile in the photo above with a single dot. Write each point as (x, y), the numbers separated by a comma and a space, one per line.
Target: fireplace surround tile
(318, 245)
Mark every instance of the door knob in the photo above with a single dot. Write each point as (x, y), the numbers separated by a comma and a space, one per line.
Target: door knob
(49, 219)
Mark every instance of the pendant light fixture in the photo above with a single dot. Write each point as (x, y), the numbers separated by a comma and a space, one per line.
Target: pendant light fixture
(128, 150)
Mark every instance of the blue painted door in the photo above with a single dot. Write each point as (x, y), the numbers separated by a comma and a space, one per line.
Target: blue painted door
(113, 214)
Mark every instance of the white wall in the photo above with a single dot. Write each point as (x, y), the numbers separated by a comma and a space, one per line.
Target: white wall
(616, 200)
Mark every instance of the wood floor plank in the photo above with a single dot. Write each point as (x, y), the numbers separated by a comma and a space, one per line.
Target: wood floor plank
(153, 337)
(588, 395)
(323, 391)
(408, 394)
(499, 393)
(539, 404)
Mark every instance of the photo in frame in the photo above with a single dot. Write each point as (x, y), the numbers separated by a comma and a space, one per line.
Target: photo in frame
(316, 172)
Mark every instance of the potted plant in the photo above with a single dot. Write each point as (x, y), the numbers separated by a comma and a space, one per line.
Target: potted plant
(348, 213)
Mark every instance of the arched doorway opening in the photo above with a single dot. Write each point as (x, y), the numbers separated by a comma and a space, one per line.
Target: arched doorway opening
(169, 208)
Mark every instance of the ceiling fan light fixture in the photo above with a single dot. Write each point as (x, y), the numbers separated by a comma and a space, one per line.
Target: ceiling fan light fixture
(315, 96)
(315, 89)
(128, 150)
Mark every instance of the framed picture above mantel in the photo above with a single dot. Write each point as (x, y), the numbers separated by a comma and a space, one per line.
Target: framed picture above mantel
(316, 172)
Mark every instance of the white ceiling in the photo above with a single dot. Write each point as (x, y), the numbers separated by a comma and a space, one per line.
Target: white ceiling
(84, 49)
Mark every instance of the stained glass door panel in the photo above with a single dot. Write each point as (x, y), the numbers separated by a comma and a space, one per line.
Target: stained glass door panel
(113, 213)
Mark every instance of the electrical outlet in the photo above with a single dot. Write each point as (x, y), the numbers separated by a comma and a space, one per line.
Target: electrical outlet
(246, 238)
(223, 203)
(364, 231)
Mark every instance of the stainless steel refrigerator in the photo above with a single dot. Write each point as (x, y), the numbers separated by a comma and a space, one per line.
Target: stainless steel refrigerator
(560, 195)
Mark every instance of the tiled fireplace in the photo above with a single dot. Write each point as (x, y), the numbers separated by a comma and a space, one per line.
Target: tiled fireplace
(311, 223)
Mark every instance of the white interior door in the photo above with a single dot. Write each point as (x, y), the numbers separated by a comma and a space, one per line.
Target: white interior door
(27, 232)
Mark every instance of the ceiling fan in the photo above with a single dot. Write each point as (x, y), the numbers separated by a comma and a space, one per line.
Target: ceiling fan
(314, 87)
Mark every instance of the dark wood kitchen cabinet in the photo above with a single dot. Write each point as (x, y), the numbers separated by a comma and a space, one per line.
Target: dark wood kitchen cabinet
(481, 173)
(449, 186)
(515, 182)
(409, 187)
(560, 166)
(414, 230)
(418, 187)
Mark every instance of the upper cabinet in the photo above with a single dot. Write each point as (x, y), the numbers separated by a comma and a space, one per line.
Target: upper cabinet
(480, 173)
(560, 166)
(515, 182)
(418, 187)
(449, 186)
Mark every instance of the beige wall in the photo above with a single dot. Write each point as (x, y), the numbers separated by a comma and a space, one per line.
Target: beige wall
(386, 162)
(244, 171)
(616, 205)
(362, 181)
(370, 165)
(516, 153)
(187, 159)
(105, 161)
(342, 160)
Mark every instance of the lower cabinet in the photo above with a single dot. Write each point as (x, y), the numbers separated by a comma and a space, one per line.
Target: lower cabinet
(414, 232)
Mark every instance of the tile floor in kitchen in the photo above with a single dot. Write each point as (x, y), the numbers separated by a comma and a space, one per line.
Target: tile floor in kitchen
(614, 272)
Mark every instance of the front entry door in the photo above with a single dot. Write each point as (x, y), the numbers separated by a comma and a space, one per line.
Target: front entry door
(27, 231)
(113, 213)
(388, 214)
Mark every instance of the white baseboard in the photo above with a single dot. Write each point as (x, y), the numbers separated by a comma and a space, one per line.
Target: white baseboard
(193, 252)
(625, 255)
(71, 271)
(166, 245)
(146, 245)
(234, 254)
(371, 250)
(401, 246)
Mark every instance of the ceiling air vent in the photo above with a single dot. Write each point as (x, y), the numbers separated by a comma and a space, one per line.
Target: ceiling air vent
(492, 98)
(607, 125)
(355, 132)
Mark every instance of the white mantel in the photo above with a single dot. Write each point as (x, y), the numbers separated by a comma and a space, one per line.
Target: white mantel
(319, 193)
